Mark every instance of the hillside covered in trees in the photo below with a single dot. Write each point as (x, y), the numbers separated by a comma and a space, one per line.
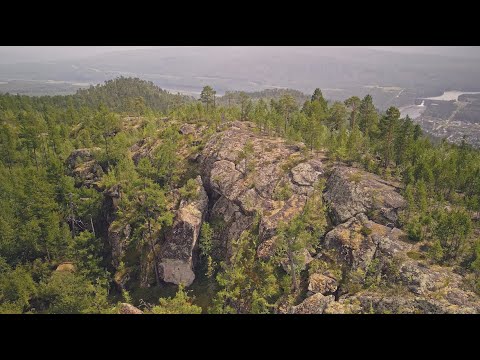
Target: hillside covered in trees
(124, 198)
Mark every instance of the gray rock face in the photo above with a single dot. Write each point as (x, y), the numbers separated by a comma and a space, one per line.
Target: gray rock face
(274, 179)
(79, 156)
(176, 263)
(424, 288)
(231, 222)
(437, 281)
(371, 302)
(84, 168)
(351, 191)
(118, 236)
(305, 174)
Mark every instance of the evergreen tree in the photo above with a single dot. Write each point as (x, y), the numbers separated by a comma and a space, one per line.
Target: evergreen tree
(207, 96)
(388, 128)
(353, 103)
(367, 116)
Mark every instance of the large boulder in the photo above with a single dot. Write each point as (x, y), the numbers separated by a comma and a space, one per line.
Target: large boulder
(322, 283)
(315, 304)
(66, 266)
(177, 258)
(350, 191)
(125, 308)
(358, 241)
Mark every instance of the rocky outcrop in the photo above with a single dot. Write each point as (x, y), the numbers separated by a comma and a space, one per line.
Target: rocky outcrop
(406, 303)
(358, 241)
(143, 149)
(351, 191)
(245, 173)
(177, 258)
(118, 236)
(304, 253)
(427, 280)
(125, 308)
(364, 249)
(79, 156)
(315, 304)
(84, 168)
(322, 283)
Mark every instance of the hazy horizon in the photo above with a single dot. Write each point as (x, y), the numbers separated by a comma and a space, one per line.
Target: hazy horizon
(417, 71)
(26, 54)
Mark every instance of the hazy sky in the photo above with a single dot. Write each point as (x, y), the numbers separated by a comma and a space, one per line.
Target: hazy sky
(16, 54)
(13, 54)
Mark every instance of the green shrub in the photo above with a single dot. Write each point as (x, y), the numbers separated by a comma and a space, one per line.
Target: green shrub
(282, 192)
(365, 231)
(190, 190)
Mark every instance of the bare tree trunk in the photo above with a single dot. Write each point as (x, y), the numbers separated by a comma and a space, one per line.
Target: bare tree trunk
(93, 228)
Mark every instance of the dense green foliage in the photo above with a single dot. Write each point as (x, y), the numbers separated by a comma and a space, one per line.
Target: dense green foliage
(47, 219)
(181, 303)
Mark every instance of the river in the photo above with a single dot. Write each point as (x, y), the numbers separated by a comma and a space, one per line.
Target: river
(413, 111)
(451, 95)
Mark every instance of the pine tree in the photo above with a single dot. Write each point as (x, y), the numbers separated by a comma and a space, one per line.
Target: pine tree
(337, 116)
(353, 103)
(245, 106)
(318, 97)
(287, 106)
(207, 96)
(367, 117)
(388, 127)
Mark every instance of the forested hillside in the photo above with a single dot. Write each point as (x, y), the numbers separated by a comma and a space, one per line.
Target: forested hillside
(235, 97)
(125, 197)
